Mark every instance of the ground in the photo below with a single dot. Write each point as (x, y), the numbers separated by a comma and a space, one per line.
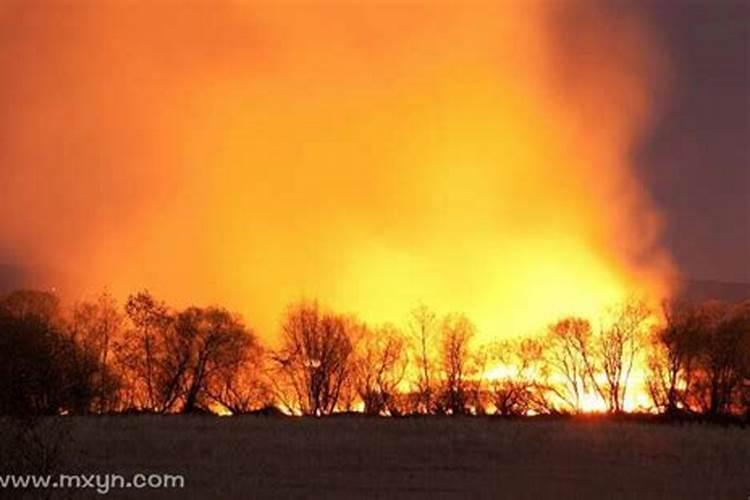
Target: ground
(357, 457)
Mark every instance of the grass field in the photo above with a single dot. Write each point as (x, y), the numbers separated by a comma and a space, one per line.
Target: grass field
(351, 457)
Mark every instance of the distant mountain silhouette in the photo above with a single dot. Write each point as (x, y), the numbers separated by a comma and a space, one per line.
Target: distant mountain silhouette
(702, 290)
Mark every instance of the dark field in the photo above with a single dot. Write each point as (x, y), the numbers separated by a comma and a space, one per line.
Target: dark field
(351, 457)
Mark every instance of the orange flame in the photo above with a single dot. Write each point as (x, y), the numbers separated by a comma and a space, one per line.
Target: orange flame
(473, 158)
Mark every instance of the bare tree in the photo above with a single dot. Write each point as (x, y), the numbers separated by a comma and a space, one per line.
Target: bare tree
(423, 330)
(701, 359)
(617, 347)
(455, 356)
(521, 388)
(141, 354)
(315, 359)
(568, 358)
(380, 365)
(357, 332)
(479, 361)
(673, 357)
(246, 388)
(42, 371)
(210, 345)
(722, 357)
(95, 326)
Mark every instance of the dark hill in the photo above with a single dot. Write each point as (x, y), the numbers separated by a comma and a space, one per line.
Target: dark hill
(702, 290)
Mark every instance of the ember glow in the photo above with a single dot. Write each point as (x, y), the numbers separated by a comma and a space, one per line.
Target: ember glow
(472, 158)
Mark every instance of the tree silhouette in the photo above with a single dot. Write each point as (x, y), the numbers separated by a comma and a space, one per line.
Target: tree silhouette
(209, 345)
(617, 347)
(568, 358)
(96, 357)
(245, 387)
(95, 326)
(315, 359)
(522, 387)
(152, 383)
(722, 357)
(380, 366)
(423, 330)
(673, 358)
(42, 370)
(455, 356)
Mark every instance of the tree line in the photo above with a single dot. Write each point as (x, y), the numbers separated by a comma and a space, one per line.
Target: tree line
(98, 357)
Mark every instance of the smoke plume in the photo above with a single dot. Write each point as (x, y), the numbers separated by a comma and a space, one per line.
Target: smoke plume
(474, 158)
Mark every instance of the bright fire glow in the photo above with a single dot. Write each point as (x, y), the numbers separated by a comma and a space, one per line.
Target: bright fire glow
(637, 398)
(475, 159)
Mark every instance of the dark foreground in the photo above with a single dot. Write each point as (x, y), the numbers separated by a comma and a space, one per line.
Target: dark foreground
(351, 457)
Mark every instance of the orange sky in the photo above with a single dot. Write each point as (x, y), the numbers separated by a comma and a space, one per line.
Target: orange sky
(473, 158)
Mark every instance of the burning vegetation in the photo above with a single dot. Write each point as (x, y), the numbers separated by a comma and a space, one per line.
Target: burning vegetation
(478, 159)
(96, 357)
(475, 158)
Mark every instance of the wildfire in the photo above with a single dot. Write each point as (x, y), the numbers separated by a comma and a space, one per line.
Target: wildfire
(472, 158)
